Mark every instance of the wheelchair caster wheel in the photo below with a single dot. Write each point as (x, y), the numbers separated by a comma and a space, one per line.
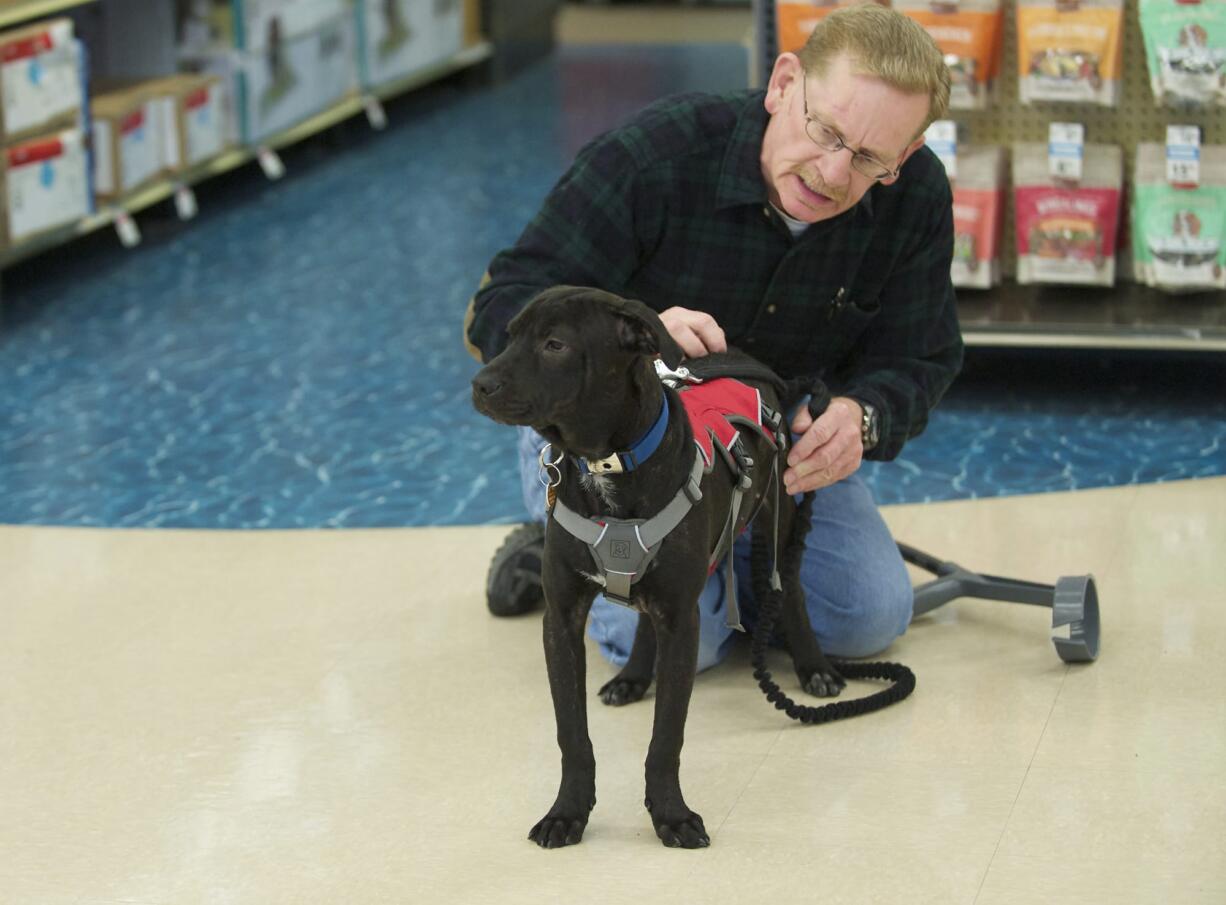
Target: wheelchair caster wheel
(1075, 604)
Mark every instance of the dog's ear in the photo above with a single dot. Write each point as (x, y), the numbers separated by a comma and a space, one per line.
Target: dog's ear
(639, 329)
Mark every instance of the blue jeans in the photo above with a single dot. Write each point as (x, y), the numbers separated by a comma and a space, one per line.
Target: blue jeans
(857, 589)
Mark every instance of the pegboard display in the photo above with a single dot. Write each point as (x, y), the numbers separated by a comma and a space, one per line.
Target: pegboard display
(1136, 119)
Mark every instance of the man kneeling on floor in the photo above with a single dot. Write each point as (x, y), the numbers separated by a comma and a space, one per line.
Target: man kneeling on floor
(807, 225)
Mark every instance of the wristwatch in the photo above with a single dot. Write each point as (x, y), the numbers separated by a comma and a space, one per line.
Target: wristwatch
(870, 426)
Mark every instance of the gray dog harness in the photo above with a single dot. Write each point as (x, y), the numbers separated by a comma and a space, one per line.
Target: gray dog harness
(623, 549)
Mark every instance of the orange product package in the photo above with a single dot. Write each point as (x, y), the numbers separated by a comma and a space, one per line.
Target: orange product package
(1069, 50)
(795, 20)
(969, 33)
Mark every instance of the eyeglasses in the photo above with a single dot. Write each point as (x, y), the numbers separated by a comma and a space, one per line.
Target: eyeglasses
(829, 140)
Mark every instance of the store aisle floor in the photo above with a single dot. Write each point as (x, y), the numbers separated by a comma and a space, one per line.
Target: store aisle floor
(323, 717)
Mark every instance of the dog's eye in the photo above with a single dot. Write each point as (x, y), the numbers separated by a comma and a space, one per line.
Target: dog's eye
(555, 345)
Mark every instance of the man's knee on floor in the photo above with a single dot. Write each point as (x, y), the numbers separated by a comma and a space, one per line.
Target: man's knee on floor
(867, 617)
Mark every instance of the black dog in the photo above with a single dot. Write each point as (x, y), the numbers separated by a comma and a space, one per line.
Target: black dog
(579, 368)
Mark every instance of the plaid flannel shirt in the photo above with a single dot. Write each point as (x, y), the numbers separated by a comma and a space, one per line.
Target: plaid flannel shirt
(672, 209)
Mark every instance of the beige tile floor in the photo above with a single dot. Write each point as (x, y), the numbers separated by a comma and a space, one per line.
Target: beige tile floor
(303, 717)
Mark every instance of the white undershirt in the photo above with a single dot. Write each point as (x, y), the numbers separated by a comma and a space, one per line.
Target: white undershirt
(796, 227)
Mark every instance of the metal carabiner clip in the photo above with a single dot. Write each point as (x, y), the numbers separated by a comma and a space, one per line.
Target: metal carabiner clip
(550, 475)
(674, 378)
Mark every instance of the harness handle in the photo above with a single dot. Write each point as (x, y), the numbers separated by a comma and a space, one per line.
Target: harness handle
(819, 398)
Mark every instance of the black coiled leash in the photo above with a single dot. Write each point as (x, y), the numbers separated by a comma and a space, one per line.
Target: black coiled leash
(771, 601)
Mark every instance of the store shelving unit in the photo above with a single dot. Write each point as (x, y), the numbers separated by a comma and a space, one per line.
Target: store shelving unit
(1125, 316)
(356, 103)
(15, 13)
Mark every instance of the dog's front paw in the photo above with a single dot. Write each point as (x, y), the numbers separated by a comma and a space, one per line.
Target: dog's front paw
(679, 827)
(825, 683)
(557, 830)
(619, 691)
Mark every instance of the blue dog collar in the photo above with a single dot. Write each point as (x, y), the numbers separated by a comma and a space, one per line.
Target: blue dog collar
(636, 455)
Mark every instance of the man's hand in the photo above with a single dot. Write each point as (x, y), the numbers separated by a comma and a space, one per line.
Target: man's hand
(829, 449)
(695, 332)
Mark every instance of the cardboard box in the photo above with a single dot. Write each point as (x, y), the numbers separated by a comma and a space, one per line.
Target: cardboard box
(259, 24)
(46, 184)
(203, 26)
(42, 80)
(399, 37)
(127, 142)
(191, 119)
(289, 62)
(287, 81)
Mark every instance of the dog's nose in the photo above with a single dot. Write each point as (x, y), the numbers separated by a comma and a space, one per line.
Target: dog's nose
(485, 384)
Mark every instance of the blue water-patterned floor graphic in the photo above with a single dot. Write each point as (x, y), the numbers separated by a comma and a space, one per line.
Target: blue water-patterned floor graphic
(292, 358)
(1035, 422)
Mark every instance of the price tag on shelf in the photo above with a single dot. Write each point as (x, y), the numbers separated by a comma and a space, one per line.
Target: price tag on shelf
(374, 113)
(185, 203)
(1183, 155)
(270, 163)
(128, 231)
(1066, 144)
(942, 137)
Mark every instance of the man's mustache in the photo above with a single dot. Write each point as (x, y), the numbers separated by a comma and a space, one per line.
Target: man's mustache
(815, 183)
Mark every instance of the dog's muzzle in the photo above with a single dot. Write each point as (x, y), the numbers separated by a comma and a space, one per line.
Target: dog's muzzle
(492, 398)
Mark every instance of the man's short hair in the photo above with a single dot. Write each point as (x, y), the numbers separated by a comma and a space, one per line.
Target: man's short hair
(883, 43)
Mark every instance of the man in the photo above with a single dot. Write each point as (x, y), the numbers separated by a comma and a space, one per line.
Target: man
(806, 225)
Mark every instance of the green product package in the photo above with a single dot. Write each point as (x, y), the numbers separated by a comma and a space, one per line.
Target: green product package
(1179, 234)
(1185, 46)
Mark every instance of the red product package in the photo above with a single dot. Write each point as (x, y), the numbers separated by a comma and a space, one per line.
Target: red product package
(1067, 233)
(979, 206)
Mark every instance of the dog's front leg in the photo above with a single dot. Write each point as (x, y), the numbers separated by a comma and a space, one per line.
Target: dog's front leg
(676, 630)
(567, 602)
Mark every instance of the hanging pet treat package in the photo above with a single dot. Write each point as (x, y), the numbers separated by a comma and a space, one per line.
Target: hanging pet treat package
(1066, 232)
(969, 33)
(979, 204)
(1069, 50)
(1178, 231)
(1185, 46)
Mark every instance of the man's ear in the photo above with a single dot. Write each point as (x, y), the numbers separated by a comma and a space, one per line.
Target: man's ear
(640, 330)
(786, 70)
(911, 149)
